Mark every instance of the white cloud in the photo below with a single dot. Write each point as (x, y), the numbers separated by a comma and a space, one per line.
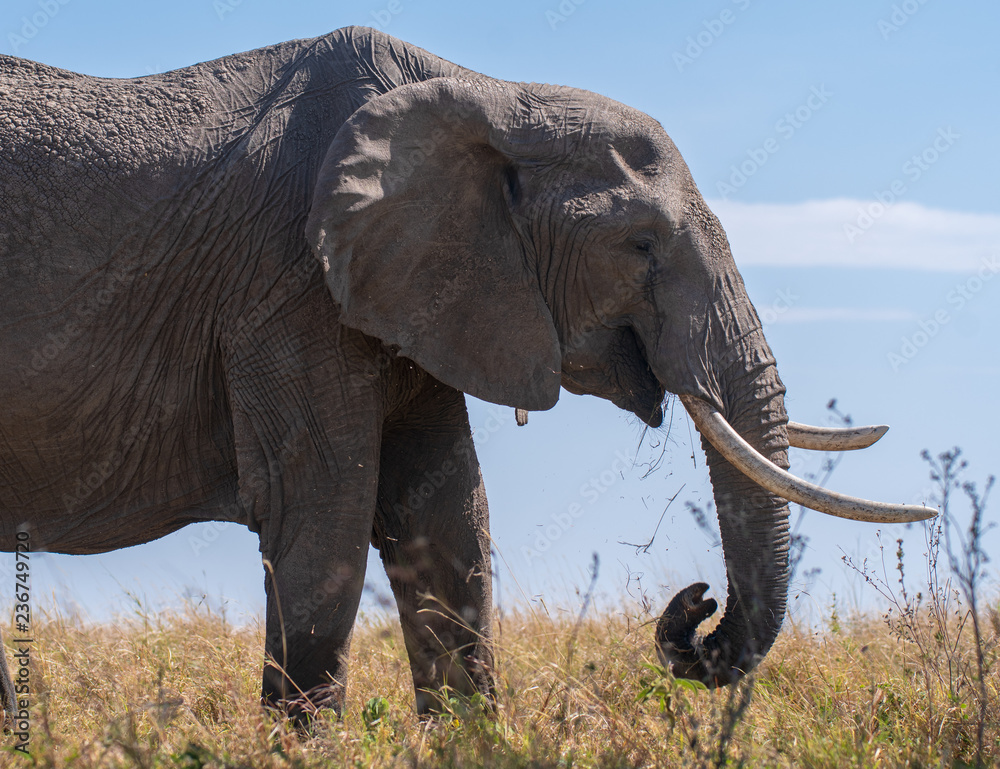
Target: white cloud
(904, 235)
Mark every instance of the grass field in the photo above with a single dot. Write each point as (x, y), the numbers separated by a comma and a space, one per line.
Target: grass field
(916, 687)
(181, 691)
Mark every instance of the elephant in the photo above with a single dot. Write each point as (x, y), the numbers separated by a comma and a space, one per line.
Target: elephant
(257, 289)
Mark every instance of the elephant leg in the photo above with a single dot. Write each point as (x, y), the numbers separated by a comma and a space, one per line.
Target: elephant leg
(314, 576)
(432, 531)
(307, 426)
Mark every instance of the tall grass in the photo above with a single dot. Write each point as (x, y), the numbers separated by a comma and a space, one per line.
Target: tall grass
(917, 686)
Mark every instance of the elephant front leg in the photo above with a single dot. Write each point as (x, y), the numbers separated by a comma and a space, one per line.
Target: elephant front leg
(307, 426)
(319, 505)
(313, 585)
(432, 531)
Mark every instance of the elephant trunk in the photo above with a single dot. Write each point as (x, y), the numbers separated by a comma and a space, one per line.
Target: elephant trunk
(755, 538)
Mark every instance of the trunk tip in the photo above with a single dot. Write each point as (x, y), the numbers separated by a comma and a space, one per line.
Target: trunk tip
(676, 627)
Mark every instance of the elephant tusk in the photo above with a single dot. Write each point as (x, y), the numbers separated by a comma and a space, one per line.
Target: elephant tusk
(833, 438)
(757, 468)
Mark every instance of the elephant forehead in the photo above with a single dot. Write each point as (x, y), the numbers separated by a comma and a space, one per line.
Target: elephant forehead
(593, 124)
(643, 147)
(636, 140)
(603, 202)
(630, 169)
(631, 205)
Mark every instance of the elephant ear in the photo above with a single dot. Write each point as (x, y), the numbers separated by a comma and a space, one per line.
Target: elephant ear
(414, 219)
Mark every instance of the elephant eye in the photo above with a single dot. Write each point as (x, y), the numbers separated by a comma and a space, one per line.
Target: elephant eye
(513, 184)
(644, 246)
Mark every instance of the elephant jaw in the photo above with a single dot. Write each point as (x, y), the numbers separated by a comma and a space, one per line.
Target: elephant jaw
(648, 406)
(616, 369)
(645, 405)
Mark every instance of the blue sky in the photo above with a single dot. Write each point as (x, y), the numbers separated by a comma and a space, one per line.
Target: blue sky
(849, 150)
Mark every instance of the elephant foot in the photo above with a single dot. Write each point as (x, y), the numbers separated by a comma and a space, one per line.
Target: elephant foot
(303, 710)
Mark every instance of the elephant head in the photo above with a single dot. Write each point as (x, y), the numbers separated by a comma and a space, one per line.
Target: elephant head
(513, 238)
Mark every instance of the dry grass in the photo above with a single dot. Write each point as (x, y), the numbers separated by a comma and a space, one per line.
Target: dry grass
(917, 687)
(180, 691)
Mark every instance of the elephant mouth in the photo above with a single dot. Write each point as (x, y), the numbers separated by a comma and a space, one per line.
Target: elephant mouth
(642, 393)
(623, 377)
(646, 404)
(652, 417)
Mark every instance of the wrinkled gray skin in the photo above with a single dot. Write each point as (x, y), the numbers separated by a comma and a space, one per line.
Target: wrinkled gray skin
(255, 290)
